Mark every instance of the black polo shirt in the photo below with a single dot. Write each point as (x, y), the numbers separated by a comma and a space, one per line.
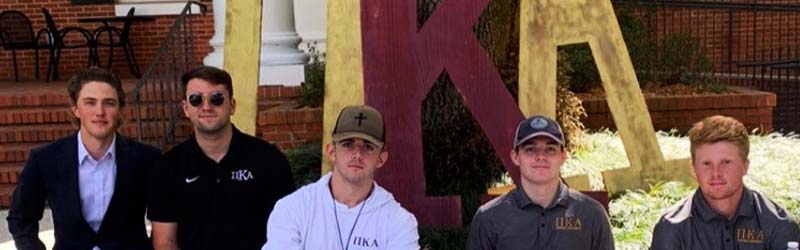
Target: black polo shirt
(572, 221)
(221, 205)
(758, 224)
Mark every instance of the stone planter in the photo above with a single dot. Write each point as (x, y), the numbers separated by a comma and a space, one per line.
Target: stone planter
(751, 107)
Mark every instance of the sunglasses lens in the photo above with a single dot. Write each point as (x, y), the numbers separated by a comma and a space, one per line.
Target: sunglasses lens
(217, 98)
(195, 100)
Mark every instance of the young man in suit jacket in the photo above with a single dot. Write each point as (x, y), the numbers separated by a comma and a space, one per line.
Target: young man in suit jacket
(94, 181)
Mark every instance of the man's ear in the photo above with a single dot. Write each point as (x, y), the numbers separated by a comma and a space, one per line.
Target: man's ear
(329, 152)
(382, 158)
(74, 109)
(185, 107)
(746, 166)
(233, 105)
(513, 155)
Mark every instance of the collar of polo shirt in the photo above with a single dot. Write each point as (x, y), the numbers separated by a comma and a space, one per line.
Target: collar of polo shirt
(745, 208)
(522, 200)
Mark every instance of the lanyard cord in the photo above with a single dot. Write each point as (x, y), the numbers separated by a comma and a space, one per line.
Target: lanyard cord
(336, 216)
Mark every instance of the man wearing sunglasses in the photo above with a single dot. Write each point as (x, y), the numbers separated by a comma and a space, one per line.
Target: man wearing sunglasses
(95, 181)
(542, 212)
(216, 189)
(345, 209)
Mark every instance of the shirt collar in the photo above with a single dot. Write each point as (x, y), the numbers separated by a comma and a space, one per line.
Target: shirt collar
(236, 139)
(561, 198)
(745, 208)
(83, 154)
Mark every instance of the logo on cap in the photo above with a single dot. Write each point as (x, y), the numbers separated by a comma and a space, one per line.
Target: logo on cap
(360, 118)
(538, 126)
(538, 123)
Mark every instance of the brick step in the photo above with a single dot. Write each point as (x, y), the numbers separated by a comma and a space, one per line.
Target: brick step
(35, 133)
(37, 115)
(6, 190)
(16, 154)
(51, 132)
(63, 114)
(9, 173)
(61, 98)
(39, 99)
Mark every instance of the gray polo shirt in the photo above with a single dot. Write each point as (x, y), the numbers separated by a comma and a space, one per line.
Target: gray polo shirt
(572, 221)
(758, 224)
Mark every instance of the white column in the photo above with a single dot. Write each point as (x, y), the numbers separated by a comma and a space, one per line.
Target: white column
(310, 16)
(218, 40)
(281, 62)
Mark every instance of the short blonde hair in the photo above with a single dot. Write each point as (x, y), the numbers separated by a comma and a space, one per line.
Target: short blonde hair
(720, 128)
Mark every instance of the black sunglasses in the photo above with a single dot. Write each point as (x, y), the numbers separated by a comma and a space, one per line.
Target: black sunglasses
(216, 98)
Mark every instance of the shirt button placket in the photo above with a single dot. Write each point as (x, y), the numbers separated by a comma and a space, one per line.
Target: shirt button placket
(728, 235)
(542, 218)
(219, 172)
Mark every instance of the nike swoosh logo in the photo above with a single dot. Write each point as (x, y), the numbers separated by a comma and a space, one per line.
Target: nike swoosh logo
(190, 180)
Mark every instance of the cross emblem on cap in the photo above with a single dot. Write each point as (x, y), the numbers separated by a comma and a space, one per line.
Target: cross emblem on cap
(360, 118)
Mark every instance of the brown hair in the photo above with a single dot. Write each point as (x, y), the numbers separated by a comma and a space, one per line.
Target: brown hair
(210, 74)
(720, 128)
(94, 74)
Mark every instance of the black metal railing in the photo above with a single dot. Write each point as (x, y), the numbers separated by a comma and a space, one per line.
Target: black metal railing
(752, 43)
(158, 93)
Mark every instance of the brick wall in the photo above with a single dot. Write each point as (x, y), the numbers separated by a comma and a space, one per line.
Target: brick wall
(282, 123)
(756, 36)
(145, 36)
(753, 108)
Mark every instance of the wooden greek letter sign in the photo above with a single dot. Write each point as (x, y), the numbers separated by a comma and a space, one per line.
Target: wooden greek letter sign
(548, 24)
(377, 56)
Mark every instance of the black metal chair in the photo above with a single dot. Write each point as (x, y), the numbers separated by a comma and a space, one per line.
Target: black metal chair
(56, 43)
(116, 37)
(16, 33)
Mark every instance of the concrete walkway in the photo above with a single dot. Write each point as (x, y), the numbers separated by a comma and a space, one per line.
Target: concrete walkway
(45, 230)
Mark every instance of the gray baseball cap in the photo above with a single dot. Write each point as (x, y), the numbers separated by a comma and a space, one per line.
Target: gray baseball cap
(363, 122)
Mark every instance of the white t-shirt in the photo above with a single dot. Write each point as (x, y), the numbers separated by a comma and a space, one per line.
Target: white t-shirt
(305, 219)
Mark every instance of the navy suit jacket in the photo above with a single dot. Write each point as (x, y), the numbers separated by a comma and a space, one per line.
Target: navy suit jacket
(51, 173)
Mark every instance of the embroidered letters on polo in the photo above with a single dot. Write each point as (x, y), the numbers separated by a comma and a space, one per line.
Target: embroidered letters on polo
(568, 223)
(241, 175)
(746, 235)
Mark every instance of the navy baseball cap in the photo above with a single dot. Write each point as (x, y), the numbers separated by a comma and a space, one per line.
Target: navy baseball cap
(538, 126)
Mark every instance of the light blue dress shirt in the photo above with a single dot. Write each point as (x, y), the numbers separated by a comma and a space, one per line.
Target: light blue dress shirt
(96, 182)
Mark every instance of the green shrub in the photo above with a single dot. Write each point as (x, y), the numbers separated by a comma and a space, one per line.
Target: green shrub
(569, 108)
(306, 163)
(674, 58)
(432, 238)
(458, 157)
(682, 59)
(312, 90)
(577, 64)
